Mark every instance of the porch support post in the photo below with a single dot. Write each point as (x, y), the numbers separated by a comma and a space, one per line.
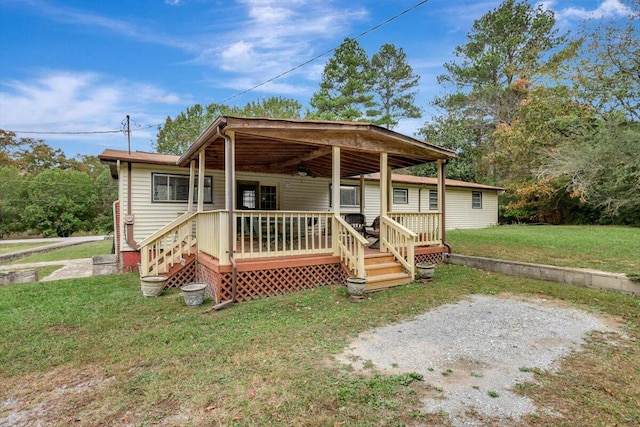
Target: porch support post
(362, 194)
(389, 190)
(384, 194)
(441, 198)
(335, 196)
(227, 232)
(201, 160)
(192, 173)
(230, 169)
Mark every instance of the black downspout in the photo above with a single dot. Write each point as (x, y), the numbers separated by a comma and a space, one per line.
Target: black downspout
(442, 209)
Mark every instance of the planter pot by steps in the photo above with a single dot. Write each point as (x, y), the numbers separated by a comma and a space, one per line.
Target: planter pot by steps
(425, 271)
(193, 294)
(152, 286)
(356, 286)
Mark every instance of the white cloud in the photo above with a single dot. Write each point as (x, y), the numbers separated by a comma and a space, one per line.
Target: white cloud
(63, 101)
(276, 36)
(606, 9)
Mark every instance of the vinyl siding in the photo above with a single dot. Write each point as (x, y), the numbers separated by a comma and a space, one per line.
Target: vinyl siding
(460, 214)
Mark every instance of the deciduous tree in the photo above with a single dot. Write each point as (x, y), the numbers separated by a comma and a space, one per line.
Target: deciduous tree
(176, 135)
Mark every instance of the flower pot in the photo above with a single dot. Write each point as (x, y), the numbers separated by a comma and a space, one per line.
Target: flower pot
(152, 286)
(193, 294)
(425, 271)
(356, 286)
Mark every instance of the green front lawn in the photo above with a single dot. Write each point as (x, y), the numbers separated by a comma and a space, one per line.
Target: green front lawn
(93, 351)
(614, 249)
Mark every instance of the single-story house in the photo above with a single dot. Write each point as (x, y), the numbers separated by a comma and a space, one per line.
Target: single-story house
(250, 210)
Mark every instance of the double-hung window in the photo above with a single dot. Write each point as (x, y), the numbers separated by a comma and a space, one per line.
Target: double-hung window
(401, 196)
(175, 188)
(433, 200)
(476, 199)
(349, 196)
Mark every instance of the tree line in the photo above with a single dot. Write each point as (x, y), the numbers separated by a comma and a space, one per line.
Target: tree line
(44, 192)
(552, 117)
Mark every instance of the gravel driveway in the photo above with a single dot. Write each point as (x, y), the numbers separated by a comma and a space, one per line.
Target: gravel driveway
(476, 350)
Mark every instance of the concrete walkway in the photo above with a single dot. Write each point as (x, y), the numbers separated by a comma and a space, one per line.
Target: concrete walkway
(71, 268)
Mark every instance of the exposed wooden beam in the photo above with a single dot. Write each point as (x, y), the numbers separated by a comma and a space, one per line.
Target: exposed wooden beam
(320, 152)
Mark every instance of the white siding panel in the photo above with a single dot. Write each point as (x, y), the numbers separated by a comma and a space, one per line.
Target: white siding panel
(460, 214)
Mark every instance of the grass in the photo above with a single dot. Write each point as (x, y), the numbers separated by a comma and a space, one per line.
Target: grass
(122, 359)
(7, 248)
(604, 248)
(83, 250)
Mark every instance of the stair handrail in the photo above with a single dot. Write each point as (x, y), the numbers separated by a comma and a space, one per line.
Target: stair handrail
(349, 244)
(166, 245)
(399, 241)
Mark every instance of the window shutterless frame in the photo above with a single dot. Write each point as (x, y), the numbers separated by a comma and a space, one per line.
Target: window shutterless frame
(401, 196)
(174, 188)
(476, 199)
(349, 196)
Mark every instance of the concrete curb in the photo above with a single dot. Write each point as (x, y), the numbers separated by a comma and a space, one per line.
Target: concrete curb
(47, 248)
(572, 276)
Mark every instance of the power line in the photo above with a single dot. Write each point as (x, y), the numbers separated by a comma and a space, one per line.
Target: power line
(362, 34)
(80, 132)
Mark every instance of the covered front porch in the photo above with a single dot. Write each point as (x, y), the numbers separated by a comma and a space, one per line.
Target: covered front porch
(245, 251)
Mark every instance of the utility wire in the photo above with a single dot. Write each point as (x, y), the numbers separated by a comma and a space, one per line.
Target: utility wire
(89, 132)
(362, 34)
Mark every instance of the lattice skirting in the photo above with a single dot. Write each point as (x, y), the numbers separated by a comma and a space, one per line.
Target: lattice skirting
(435, 258)
(265, 283)
(183, 276)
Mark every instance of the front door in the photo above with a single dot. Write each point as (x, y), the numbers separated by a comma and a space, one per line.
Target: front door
(247, 195)
(252, 195)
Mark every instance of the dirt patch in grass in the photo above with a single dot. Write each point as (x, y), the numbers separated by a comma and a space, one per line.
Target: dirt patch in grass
(37, 399)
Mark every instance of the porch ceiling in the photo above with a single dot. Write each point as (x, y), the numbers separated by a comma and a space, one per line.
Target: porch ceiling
(285, 146)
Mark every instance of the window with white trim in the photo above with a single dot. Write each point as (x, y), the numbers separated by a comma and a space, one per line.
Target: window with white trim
(401, 196)
(433, 200)
(349, 196)
(476, 199)
(175, 188)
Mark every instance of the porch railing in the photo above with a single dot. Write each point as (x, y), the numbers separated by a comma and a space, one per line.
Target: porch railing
(399, 241)
(424, 224)
(349, 246)
(212, 230)
(162, 249)
(282, 233)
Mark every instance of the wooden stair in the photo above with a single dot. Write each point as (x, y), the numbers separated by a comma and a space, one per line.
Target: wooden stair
(383, 271)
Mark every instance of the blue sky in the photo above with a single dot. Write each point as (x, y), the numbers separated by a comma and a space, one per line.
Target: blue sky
(83, 65)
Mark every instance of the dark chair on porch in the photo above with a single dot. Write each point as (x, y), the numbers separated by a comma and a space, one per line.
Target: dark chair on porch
(373, 230)
(357, 221)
